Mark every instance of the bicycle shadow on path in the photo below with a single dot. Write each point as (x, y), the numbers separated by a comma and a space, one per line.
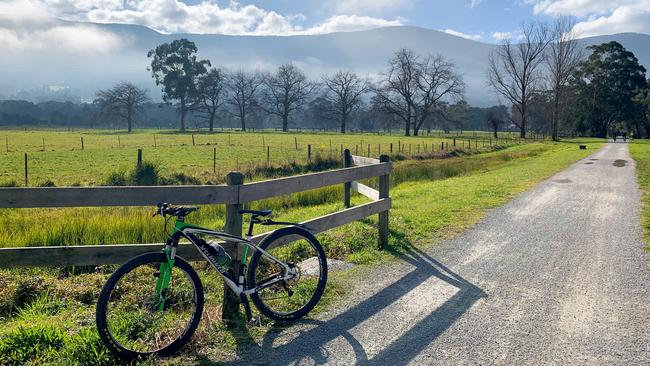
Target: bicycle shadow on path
(309, 345)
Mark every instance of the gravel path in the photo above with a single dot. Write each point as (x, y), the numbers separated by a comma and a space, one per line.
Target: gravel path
(557, 276)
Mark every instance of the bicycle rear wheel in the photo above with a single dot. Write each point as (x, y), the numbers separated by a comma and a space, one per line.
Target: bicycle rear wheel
(293, 298)
(131, 318)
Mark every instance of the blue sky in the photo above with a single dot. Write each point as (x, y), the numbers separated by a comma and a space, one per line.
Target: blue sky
(481, 20)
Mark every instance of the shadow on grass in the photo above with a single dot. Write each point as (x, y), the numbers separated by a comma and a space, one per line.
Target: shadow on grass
(308, 343)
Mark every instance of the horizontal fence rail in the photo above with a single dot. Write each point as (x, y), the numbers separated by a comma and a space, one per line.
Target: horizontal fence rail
(232, 195)
(85, 255)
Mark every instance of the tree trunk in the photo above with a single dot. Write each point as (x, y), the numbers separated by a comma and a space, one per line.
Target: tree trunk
(212, 121)
(182, 116)
(343, 123)
(129, 121)
(495, 128)
(555, 118)
(285, 123)
(242, 119)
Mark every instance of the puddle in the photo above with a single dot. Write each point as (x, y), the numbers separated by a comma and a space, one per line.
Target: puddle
(562, 180)
(593, 159)
(589, 162)
(619, 163)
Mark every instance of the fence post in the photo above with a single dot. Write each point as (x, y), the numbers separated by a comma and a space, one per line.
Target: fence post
(139, 157)
(82, 142)
(309, 152)
(384, 183)
(25, 169)
(347, 162)
(233, 226)
(454, 141)
(214, 159)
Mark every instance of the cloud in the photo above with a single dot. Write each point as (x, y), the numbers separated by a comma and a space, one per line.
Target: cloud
(207, 16)
(473, 37)
(343, 23)
(502, 36)
(597, 17)
(366, 7)
(27, 25)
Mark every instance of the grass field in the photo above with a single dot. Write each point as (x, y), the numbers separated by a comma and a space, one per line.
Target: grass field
(56, 156)
(47, 314)
(640, 150)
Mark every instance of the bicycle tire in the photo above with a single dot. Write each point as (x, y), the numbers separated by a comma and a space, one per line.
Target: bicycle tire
(320, 287)
(101, 314)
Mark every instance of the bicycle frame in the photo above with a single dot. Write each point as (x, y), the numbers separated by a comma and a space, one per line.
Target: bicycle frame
(189, 231)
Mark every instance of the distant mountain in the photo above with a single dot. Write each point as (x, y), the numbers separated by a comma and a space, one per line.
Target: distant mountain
(366, 52)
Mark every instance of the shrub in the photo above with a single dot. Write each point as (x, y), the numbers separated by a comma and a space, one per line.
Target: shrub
(144, 174)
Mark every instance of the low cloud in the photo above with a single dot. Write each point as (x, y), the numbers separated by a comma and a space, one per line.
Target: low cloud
(473, 37)
(27, 25)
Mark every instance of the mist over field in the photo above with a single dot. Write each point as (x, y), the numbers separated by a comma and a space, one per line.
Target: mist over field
(103, 54)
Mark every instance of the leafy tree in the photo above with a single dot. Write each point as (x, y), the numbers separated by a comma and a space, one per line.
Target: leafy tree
(286, 91)
(609, 83)
(123, 101)
(343, 91)
(174, 66)
(210, 95)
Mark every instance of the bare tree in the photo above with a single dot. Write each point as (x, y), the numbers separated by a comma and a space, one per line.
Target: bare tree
(398, 88)
(286, 91)
(564, 56)
(124, 100)
(243, 88)
(514, 69)
(436, 81)
(210, 95)
(343, 91)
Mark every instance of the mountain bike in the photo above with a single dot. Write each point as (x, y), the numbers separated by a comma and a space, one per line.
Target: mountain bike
(152, 304)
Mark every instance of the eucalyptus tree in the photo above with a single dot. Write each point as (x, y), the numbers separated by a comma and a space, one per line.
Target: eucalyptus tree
(175, 66)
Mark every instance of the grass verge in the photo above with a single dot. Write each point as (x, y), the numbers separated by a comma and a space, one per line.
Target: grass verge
(640, 150)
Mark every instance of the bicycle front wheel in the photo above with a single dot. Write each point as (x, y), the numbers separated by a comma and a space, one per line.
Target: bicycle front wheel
(296, 296)
(135, 319)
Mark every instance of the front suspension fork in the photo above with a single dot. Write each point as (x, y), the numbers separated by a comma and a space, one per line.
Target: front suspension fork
(164, 277)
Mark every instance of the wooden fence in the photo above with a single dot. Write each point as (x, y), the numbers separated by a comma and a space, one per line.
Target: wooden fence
(234, 194)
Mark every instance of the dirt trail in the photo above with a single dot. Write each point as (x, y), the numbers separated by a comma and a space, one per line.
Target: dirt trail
(557, 276)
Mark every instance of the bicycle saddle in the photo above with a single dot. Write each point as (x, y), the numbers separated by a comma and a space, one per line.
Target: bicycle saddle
(256, 212)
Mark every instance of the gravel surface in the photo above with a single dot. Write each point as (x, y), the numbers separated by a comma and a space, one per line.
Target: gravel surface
(557, 276)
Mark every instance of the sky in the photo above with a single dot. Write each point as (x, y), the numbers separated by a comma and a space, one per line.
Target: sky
(482, 20)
